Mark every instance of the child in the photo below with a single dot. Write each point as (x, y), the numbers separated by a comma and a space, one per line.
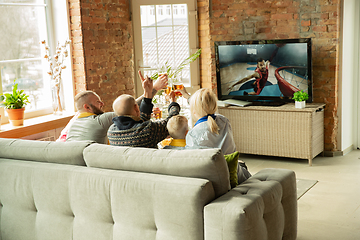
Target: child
(211, 130)
(178, 128)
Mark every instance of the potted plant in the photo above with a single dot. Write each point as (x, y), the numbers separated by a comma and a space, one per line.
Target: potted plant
(173, 73)
(300, 97)
(14, 103)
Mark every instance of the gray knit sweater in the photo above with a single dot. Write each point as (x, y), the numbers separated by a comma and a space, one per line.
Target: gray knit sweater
(143, 133)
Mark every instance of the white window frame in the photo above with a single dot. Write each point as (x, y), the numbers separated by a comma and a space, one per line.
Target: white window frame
(152, 11)
(161, 10)
(193, 39)
(182, 10)
(58, 27)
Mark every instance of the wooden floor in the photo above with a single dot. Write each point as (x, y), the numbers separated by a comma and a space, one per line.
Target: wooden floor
(331, 209)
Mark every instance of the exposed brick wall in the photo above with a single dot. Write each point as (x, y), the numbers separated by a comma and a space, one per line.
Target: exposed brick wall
(207, 60)
(103, 43)
(77, 46)
(104, 61)
(275, 19)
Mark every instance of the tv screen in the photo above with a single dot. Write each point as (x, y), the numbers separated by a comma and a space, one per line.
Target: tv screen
(263, 70)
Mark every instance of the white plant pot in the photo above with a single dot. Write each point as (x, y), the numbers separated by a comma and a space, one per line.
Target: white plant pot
(300, 104)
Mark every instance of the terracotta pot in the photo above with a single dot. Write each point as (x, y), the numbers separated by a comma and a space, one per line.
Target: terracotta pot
(16, 116)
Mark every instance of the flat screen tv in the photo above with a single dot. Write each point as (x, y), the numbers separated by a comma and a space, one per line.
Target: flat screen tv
(263, 71)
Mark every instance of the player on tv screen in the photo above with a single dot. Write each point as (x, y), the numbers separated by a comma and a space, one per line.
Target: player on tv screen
(261, 75)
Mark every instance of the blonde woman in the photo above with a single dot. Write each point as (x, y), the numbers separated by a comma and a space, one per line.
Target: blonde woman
(211, 130)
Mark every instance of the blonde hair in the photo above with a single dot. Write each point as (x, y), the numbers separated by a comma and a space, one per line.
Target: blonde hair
(178, 127)
(204, 103)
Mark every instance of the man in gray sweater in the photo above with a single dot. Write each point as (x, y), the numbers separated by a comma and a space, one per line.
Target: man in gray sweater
(91, 123)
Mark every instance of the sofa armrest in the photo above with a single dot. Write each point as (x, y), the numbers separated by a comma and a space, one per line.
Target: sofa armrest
(263, 207)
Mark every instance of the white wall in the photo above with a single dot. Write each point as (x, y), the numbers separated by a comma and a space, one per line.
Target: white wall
(349, 77)
(357, 75)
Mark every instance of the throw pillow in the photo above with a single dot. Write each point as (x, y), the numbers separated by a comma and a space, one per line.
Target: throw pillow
(232, 162)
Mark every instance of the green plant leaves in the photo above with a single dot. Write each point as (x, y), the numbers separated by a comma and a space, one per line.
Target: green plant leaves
(187, 61)
(16, 100)
(173, 73)
(300, 96)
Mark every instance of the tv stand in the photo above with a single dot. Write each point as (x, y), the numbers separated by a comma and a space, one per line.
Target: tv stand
(267, 104)
(283, 131)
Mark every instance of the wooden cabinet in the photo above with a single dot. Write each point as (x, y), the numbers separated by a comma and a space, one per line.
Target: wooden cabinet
(283, 131)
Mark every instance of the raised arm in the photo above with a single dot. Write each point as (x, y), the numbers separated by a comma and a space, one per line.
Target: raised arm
(148, 87)
(254, 75)
(146, 105)
(159, 84)
(184, 93)
(267, 64)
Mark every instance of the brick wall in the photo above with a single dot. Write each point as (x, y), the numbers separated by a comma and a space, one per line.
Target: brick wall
(103, 43)
(207, 57)
(77, 46)
(275, 19)
(103, 55)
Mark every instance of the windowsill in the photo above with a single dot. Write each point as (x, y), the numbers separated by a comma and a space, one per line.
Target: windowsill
(35, 125)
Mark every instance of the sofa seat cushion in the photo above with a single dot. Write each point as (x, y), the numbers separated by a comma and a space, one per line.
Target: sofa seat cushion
(200, 163)
(43, 151)
(63, 202)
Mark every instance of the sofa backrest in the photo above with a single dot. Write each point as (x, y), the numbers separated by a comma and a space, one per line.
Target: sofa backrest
(43, 151)
(64, 202)
(200, 163)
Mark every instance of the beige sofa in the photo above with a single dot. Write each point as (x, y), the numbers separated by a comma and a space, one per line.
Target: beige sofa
(79, 190)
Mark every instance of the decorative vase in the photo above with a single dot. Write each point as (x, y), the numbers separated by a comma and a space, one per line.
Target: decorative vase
(300, 104)
(16, 116)
(57, 102)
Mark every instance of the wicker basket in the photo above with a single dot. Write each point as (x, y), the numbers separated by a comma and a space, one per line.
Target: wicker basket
(283, 131)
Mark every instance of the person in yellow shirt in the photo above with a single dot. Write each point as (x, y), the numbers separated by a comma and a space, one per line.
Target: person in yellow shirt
(91, 123)
(178, 128)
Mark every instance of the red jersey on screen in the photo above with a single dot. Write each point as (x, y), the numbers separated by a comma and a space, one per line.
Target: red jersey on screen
(260, 82)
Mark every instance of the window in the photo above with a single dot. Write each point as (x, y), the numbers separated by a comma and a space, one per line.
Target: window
(183, 10)
(24, 24)
(164, 38)
(160, 10)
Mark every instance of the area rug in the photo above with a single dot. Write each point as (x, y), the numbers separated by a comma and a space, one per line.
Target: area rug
(304, 185)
